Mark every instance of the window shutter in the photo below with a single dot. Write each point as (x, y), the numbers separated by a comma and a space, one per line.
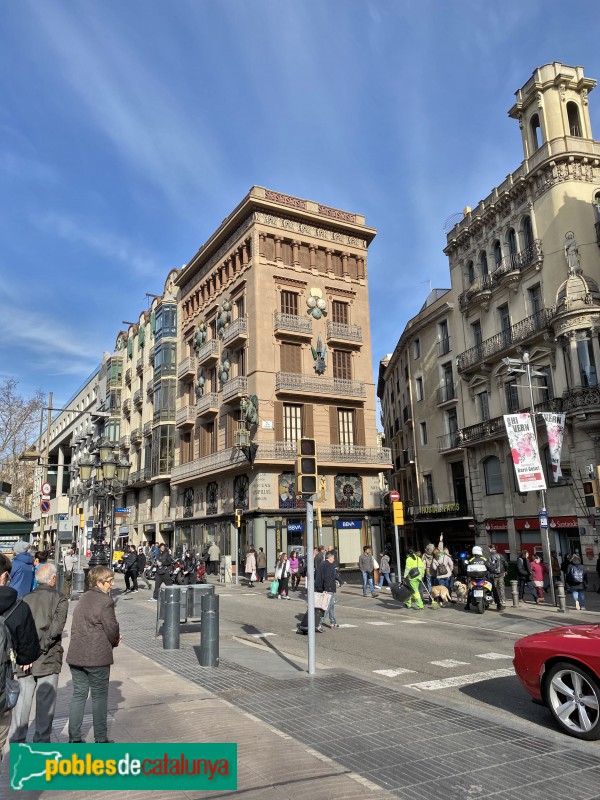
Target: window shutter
(359, 427)
(291, 357)
(278, 423)
(308, 428)
(334, 433)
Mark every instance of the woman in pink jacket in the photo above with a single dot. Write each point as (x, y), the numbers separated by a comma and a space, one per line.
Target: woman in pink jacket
(538, 569)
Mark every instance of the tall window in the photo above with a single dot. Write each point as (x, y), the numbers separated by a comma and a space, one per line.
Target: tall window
(185, 447)
(428, 495)
(423, 432)
(163, 448)
(527, 231)
(447, 392)
(536, 134)
(417, 348)
(240, 307)
(342, 365)
(346, 426)
(419, 387)
(292, 422)
(339, 312)
(483, 401)
(476, 333)
(587, 365)
(208, 439)
(492, 474)
(497, 253)
(289, 303)
(573, 116)
(291, 357)
(512, 242)
(471, 272)
(241, 362)
(483, 264)
(444, 337)
(451, 420)
(545, 383)
(535, 298)
(504, 319)
(512, 397)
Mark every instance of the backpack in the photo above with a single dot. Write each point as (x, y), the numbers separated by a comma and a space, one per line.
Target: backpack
(575, 574)
(9, 686)
(494, 565)
(442, 569)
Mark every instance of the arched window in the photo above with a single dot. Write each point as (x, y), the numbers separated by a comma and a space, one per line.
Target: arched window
(536, 131)
(527, 231)
(512, 242)
(492, 474)
(471, 272)
(573, 116)
(497, 253)
(484, 264)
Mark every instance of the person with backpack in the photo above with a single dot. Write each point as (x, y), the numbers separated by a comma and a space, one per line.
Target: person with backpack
(442, 569)
(17, 633)
(524, 576)
(577, 581)
(497, 568)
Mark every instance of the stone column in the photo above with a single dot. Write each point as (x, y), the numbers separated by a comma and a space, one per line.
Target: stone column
(262, 237)
(245, 248)
(575, 372)
(345, 272)
(278, 254)
(329, 261)
(596, 352)
(313, 256)
(296, 253)
(360, 267)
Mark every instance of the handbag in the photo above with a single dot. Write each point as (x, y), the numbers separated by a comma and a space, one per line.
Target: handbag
(375, 564)
(274, 588)
(414, 573)
(322, 600)
(253, 576)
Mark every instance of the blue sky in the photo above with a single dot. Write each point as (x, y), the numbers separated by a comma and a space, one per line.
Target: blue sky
(129, 130)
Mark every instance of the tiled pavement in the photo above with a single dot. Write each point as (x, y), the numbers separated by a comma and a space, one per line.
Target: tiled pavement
(333, 735)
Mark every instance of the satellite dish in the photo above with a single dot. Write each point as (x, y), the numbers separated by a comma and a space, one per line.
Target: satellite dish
(452, 220)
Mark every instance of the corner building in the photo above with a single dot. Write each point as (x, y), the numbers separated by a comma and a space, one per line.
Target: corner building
(274, 344)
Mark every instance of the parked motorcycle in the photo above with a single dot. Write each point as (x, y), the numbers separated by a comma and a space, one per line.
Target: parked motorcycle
(150, 572)
(480, 594)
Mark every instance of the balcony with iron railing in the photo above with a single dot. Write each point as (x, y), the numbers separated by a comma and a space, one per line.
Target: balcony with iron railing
(508, 268)
(528, 328)
(185, 416)
(128, 376)
(585, 398)
(342, 332)
(127, 406)
(147, 429)
(446, 393)
(136, 435)
(186, 368)
(235, 388)
(137, 397)
(235, 332)
(293, 323)
(207, 405)
(124, 443)
(494, 427)
(208, 353)
(298, 383)
(444, 346)
(449, 441)
(224, 459)
(139, 367)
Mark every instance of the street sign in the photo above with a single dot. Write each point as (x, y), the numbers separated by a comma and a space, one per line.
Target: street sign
(122, 511)
(394, 497)
(45, 506)
(62, 517)
(46, 488)
(543, 515)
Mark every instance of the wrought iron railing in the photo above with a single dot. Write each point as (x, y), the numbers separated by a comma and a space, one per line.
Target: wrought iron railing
(297, 382)
(292, 322)
(239, 327)
(211, 463)
(449, 441)
(137, 397)
(444, 346)
(147, 429)
(207, 402)
(525, 329)
(187, 414)
(514, 262)
(186, 367)
(139, 365)
(343, 332)
(127, 406)
(124, 442)
(209, 350)
(446, 393)
(584, 398)
(235, 387)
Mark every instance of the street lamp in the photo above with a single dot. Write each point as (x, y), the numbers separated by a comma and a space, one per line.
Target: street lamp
(523, 366)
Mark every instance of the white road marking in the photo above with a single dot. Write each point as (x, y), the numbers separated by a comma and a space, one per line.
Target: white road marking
(494, 656)
(347, 625)
(378, 623)
(460, 680)
(449, 663)
(392, 673)
(414, 621)
(262, 635)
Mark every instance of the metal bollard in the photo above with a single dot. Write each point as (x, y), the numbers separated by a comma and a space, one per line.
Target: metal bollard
(78, 584)
(209, 637)
(561, 599)
(514, 588)
(60, 577)
(170, 629)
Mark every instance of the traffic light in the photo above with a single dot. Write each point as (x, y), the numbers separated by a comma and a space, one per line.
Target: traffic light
(238, 518)
(591, 494)
(398, 512)
(306, 467)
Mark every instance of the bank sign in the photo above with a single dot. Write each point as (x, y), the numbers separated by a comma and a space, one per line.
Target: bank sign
(349, 524)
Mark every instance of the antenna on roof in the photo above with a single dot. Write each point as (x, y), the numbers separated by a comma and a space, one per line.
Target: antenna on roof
(429, 282)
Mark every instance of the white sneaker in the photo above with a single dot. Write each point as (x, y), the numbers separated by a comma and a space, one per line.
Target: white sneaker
(152, 600)
(577, 605)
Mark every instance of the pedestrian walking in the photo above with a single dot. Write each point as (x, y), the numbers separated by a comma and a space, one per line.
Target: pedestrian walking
(21, 575)
(214, 558)
(555, 567)
(524, 576)
(282, 574)
(141, 566)
(294, 571)
(366, 565)
(261, 565)
(49, 609)
(442, 568)
(17, 632)
(384, 570)
(189, 568)
(414, 571)
(250, 566)
(497, 569)
(69, 564)
(94, 635)
(428, 566)
(164, 562)
(130, 568)
(577, 580)
(538, 570)
(325, 583)
(319, 555)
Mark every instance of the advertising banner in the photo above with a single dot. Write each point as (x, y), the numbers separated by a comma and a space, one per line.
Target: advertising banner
(524, 451)
(555, 425)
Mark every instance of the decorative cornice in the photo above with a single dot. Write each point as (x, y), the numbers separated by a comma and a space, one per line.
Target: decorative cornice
(299, 227)
(338, 290)
(290, 281)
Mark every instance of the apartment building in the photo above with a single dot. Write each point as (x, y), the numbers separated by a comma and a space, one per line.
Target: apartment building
(524, 265)
(274, 344)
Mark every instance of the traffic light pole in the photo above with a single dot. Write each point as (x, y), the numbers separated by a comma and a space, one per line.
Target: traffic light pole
(398, 564)
(310, 583)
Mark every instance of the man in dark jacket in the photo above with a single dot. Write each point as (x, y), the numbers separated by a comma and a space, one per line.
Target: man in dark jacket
(23, 634)
(141, 566)
(49, 609)
(366, 565)
(189, 568)
(325, 583)
(130, 568)
(21, 574)
(164, 563)
(524, 576)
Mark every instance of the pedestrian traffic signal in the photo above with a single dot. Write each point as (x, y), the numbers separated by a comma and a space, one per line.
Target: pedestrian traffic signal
(591, 494)
(398, 512)
(307, 478)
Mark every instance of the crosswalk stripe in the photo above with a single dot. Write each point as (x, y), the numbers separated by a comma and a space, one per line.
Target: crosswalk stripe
(392, 673)
(414, 621)
(449, 663)
(262, 635)
(460, 680)
(493, 656)
(377, 622)
(347, 625)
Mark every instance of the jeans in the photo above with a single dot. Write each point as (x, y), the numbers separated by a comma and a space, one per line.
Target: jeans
(86, 679)
(44, 689)
(367, 581)
(579, 594)
(384, 576)
(330, 609)
(523, 582)
(158, 581)
(445, 581)
(131, 575)
(261, 573)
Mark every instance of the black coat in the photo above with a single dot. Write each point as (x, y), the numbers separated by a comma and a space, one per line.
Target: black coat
(141, 562)
(165, 562)
(21, 625)
(130, 562)
(325, 577)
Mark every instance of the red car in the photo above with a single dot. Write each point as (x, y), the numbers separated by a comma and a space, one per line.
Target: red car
(561, 668)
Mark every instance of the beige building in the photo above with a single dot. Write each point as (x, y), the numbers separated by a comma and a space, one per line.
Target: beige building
(274, 344)
(524, 265)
